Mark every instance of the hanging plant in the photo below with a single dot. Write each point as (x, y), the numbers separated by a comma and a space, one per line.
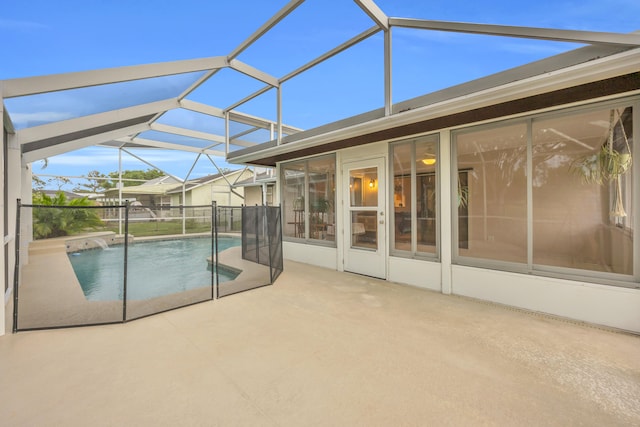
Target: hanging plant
(463, 194)
(608, 164)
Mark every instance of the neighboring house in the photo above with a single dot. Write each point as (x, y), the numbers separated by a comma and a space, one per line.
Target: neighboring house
(152, 194)
(218, 188)
(167, 191)
(259, 189)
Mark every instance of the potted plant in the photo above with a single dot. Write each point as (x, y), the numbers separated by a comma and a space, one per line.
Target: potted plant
(609, 163)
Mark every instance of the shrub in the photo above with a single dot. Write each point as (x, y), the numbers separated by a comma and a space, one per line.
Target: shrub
(54, 221)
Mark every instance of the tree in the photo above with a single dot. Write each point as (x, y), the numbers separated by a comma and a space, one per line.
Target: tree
(53, 221)
(38, 183)
(136, 175)
(96, 181)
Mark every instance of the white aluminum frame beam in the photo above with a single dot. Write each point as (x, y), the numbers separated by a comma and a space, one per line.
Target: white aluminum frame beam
(79, 124)
(235, 116)
(39, 154)
(187, 132)
(574, 36)
(251, 120)
(7, 123)
(254, 73)
(374, 12)
(202, 108)
(218, 139)
(169, 146)
(388, 69)
(248, 98)
(273, 21)
(56, 82)
(333, 52)
(151, 164)
(245, 132)
(344, 46)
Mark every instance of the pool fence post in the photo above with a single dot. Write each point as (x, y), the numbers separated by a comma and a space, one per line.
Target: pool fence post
(125, 264)
(214, 250)
(266, 221)
(16, 271)
(257, 231)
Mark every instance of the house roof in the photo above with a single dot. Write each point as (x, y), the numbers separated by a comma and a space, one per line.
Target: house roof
(156, 90)
(209, 179)
(155, 189)
(266, 177)
(165, 179)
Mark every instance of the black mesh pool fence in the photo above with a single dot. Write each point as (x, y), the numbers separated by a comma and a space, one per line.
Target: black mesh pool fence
(92, 265)
(253, 260)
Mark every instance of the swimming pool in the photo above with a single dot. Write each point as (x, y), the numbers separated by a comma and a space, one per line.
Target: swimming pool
(155, 268)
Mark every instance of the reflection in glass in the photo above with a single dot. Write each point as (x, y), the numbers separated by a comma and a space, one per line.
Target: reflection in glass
(495, 196)
(364, 230)
(419, 216)
(308, 195)
(580, 215)
(321, 198)
(402, 190)
(363, 187)
(426, 195)
(293, 205)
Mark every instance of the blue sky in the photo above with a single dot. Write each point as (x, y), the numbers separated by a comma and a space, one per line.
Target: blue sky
(45, 37)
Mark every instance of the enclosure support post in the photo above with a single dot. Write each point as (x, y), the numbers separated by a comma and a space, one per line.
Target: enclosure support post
(120, 190)
(16, 272)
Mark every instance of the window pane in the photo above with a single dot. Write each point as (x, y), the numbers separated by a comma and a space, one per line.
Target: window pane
(495, 196)
(402, 158)
(364, 230)
(582, 196)
(363, 187)
(293, 204)
(322, 173)
(426, 195)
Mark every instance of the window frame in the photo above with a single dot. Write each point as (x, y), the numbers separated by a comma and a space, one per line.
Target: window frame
(307, 235)
(413, 253)
(568, 273)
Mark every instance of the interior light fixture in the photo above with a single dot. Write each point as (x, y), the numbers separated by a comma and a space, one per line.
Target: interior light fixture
(429, 161)
(372, 183)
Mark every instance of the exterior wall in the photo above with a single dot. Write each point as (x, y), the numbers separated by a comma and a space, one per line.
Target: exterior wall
(611, 306)
(420, 273)
(605, 305)
(217, 190)
(317, 255)
(18, 177)
(252, 196)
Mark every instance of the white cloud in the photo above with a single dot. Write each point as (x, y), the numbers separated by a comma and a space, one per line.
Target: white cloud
(25, 119)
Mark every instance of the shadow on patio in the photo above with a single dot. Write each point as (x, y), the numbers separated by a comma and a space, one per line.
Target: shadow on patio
(324, 348)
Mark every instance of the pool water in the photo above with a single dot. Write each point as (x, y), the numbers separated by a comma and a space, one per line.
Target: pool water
(155, 268)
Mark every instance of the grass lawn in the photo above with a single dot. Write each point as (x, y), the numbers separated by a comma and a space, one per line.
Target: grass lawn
(158, 228)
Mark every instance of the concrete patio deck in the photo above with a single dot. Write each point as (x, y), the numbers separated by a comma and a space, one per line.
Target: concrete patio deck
(324, 348)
